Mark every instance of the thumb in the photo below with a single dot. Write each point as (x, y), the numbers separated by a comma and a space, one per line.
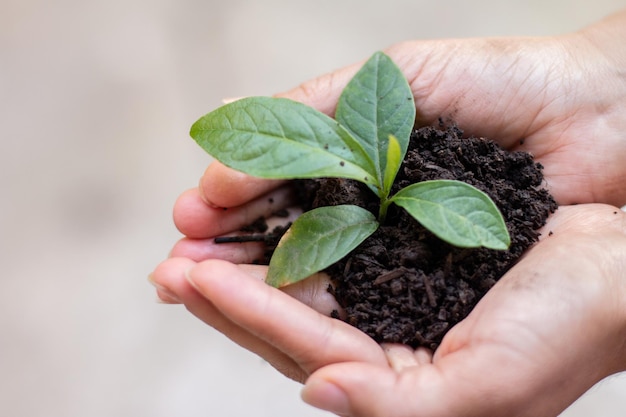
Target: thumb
(365, 390)
(461, 385)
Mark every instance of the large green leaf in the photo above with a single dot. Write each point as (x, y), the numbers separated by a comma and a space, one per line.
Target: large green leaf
(455, 212)
(316, 240)
(376, 103)
(283, 139)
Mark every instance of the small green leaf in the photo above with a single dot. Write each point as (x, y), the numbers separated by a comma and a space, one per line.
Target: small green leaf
(376, 103)
(316, 240)
(282, 139)
(456, 212)
(394, 160)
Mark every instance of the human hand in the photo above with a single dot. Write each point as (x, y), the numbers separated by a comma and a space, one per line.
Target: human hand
(561, 98)
(547, 331)
(291, 329)
(564, 96)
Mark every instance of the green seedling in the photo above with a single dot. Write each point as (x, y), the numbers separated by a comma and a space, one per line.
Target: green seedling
(278, 138)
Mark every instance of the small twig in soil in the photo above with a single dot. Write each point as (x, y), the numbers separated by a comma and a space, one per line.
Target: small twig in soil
(346, 269)
(388, 276)
(245, 238)
(432, 300)
(365, 259)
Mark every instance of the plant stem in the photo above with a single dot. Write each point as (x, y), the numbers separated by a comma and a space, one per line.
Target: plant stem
(382, 212)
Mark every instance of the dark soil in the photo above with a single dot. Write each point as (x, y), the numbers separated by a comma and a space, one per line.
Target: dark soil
(403, 284)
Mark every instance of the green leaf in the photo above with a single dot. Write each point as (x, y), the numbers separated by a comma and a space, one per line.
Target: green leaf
(282, 139)
(394, 160)
(376, 103)
(316, 240)
(456, 212)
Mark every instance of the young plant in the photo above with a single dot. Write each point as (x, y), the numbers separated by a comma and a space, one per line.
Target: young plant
(367, 141)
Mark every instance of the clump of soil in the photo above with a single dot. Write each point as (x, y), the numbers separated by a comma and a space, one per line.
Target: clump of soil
(403, 284)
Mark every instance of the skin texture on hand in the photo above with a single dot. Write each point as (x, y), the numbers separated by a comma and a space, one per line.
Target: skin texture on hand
(548, 330)
(551, 327)
(561, 98)
(539, 339)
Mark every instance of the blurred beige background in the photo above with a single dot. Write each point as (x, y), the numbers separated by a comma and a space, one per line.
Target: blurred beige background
(96, 99)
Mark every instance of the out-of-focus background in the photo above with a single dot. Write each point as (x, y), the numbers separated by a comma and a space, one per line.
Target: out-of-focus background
(96, 99)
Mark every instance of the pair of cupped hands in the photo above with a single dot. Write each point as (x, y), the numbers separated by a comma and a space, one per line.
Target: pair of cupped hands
(552, 327)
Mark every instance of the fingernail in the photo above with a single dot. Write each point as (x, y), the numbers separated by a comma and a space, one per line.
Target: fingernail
(326, 396)
(164, 295)
(190, 279)
(163, 298)
(203, 196)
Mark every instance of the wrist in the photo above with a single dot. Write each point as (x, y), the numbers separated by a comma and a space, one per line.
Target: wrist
(601, 52)
(622, 306)
(614, 271)
(608, 37)
(595, 75)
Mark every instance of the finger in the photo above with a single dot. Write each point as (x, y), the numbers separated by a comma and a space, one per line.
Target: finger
(310, 338)
(195, 219)
(466, 385)
(170, 276)
(165, 276)
(361, 389)
(202, 249)
(322, 93)
(221, 186)
(312, 292)
(401, 357)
